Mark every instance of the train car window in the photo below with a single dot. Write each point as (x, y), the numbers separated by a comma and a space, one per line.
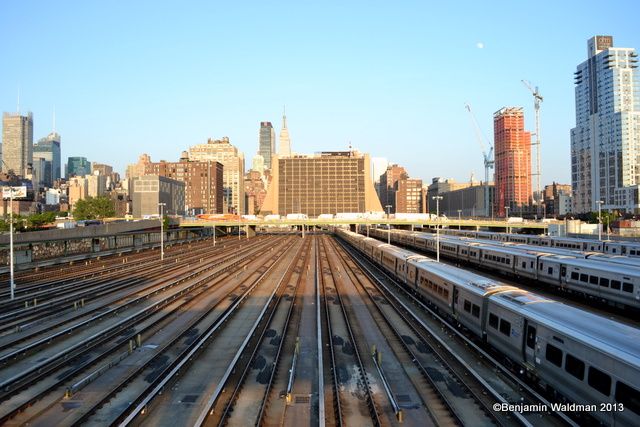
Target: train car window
(584, 278)
(549, 270)
(615, 284)
(632, 252)
(540, 267)
(554, 355)
(574, 366)
(531, 336)
(493, 321)
(467, 306)
(508, 261)
(475, 311)
(531, 264)
(627, 287)
(599, 380)
(628, 396)
(524, 264)
(604, 282)
(593, 280)
(505, 327)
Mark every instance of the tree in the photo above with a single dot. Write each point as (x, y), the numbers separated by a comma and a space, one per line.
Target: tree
(38, 220)
(93, 208)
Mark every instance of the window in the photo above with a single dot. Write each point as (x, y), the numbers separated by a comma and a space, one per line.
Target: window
(593, 280)
(574, 275)
(475, 311)
(627, 287)
(549, 270)
(574, 366)
(531, 336)
(467, 306)
(615, 284)
(584, 278)
(493, 321)
(505, 327)
(628, 396)
(600, 381)
(524, 264)
(604, 282)
(554, 355)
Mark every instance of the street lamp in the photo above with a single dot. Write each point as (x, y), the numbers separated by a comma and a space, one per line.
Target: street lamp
(12, 283)
(599, 202)
(162, 205)
(437, 199)
(388, 225)
(459, 218)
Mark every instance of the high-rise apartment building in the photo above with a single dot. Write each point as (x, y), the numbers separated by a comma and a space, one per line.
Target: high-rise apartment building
(48, 149)
(203, 183)
(267, 143)
(605, 144)
(409, 196)
(17, 141)
(388, 181)
(233, 173)
(78, 166)
(285, 140)
(512, 161)
(138, 169)
(254, 190)
(325, 183)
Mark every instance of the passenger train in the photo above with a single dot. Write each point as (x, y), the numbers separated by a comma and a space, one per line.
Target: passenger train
(631, 249)
(610, 280)
(587, 359)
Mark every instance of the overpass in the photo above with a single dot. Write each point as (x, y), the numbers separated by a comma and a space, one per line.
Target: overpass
(468, 224)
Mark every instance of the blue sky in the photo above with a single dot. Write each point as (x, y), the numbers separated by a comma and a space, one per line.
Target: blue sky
(392, 78)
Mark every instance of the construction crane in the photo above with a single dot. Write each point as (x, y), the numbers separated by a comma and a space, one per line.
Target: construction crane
(537, 99)
(487, 157)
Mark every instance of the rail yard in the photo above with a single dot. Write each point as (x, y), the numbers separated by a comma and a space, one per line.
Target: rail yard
(288, 331)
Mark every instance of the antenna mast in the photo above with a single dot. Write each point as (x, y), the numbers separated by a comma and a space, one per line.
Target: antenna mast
(537, 99)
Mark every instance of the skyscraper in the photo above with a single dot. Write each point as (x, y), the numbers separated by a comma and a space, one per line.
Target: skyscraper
(17, 139)
(233, 170)
(512, 160)
(78, 166)
(48, 148)
(285, 140)
(267, 143)
(388, 187)
(605, 144)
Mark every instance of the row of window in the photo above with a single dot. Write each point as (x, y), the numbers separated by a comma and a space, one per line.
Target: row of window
(473, 309)
(597, 379)
(501, 324)
(497, 258)
(434, 288)
(602, 281)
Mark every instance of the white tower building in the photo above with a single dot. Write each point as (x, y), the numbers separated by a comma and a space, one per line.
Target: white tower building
(285, 141)
(605, 144)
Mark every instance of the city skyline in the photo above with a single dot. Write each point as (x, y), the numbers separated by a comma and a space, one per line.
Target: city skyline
(390, 80)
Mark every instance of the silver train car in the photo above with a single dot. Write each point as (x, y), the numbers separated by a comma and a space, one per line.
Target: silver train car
(615, 281)
(584, 358)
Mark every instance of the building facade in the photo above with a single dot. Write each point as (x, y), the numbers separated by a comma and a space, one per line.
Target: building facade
(78, 166)
(233, 173)
(605, 144)
(17, 142)
(48, 148)
(267, 143)
(469, 200)
(324, 183)
(203, 183)
(388, 181)
(255, 191)
(409, 196)
(512, 161)
(150, 190)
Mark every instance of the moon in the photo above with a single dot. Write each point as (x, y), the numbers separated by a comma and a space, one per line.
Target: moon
(480, 45)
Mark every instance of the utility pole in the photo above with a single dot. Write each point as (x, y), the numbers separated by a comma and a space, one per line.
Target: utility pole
(162, 205)
(437, 199)
(537, 99)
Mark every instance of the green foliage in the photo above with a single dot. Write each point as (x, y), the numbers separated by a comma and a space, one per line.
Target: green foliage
(38, 220)
(607, 217)
(93, 208)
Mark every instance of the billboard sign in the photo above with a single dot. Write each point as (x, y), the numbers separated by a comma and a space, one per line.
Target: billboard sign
(18, 192)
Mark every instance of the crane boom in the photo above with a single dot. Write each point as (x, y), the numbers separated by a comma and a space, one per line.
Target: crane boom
(487, 157)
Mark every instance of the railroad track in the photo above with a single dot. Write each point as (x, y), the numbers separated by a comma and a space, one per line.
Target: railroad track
(488, 380)
(29, 386)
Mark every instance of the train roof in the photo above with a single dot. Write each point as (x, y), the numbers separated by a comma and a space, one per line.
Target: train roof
(601, 265)
(615, 338)
(399, 252)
